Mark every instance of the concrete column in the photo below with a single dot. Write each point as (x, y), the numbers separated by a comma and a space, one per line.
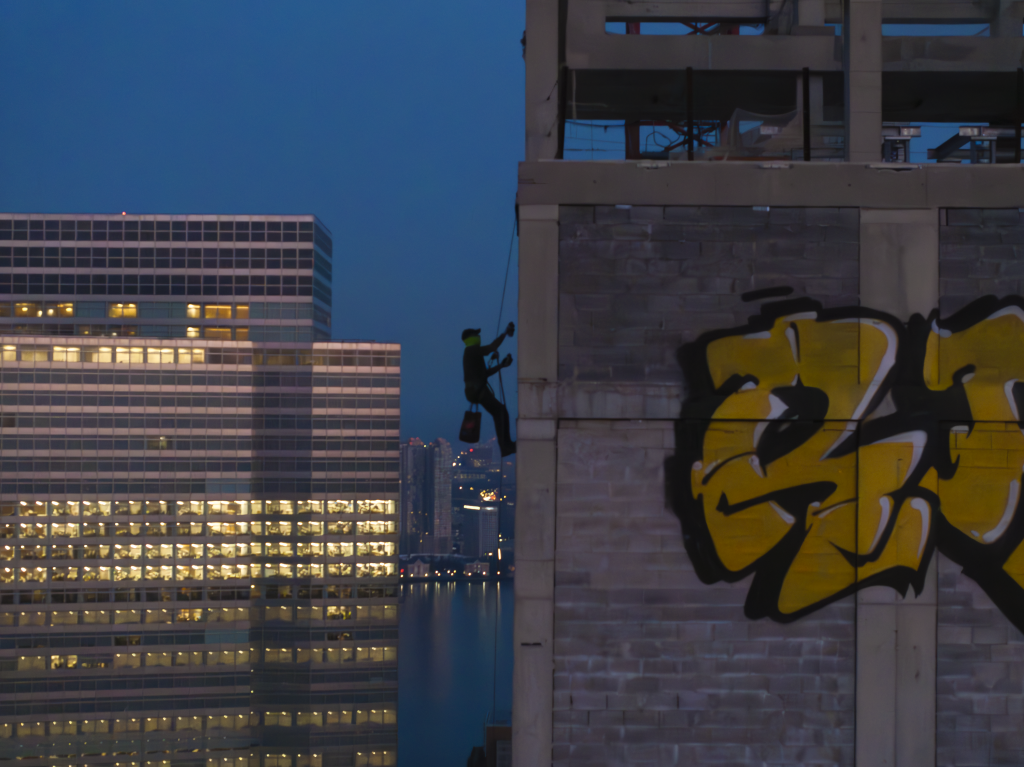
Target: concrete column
(811, 13)
(542, 73)
(862, 50)
(1008, 20)
(899, 261)
(896, 636)
(533, 636)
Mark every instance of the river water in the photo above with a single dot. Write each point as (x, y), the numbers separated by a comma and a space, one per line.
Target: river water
(446, 668)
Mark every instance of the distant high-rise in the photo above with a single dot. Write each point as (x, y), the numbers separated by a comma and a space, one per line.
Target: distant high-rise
(413, 473)
(441, 468)
(507, 490)
(426, 472)
(479, 530)
(475, 474)
(197, 499)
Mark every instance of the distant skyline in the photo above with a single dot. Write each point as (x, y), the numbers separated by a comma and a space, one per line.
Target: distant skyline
(400, 131)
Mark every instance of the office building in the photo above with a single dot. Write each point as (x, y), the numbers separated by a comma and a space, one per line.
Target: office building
(198, 497)
(483, 477)
(441, 481)
(426, 500)
(507, 492)
(479, 530)
(475, 476)
(413, 472)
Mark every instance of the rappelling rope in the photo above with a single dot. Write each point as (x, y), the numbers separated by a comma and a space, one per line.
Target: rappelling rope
(508, 264)
(501, 478)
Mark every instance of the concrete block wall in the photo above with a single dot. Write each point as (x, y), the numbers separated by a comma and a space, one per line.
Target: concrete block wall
(981, 252)
(608, 294)
(980, 666)
(651, 666)
(979, 676)
(636, 282)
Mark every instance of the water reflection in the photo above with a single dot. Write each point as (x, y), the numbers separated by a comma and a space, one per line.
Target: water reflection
(446, 668)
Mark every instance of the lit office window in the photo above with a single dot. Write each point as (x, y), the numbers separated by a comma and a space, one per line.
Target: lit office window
(160, 356)
(33, 354)
(125, 355)
(67, 354)
(375, 549)
(217, 311)
(98, 354)
(122, 310)
(191, 356)
(127, 725)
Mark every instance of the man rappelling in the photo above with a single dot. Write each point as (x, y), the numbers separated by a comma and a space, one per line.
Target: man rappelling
(475, 373)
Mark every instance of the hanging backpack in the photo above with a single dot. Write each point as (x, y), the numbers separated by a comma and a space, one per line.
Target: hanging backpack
(470, 431)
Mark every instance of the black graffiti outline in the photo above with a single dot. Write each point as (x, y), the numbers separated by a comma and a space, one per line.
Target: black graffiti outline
(983, 562)
(916, 408)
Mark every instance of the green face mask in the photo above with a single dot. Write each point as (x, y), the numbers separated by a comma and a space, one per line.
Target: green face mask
(472, 341)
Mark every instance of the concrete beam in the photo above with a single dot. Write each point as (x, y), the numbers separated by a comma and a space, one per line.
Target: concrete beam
(538, 399)
(858, 185)
(893, 11)
(588, 46)
(953, 54)
(618, 400)
(702, 11)
(588, 49)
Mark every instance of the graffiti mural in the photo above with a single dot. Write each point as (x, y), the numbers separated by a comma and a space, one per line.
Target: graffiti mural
(822, 451)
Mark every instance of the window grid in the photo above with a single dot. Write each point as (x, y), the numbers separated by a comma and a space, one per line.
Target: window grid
(113, 565)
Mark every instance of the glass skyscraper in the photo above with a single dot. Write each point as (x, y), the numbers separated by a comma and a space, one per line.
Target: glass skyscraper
(426, 502)
(198, 491)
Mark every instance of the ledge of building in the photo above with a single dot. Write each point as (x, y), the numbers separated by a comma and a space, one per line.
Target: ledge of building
(599, 399)
(784, 184)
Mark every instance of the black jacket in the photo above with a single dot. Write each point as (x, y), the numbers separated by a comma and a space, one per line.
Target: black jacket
(474, 363)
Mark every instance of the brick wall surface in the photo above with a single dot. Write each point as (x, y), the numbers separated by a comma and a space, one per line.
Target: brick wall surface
(980, 671)
(979, 678)
(981, 252)
(653, 667)
(637, 282)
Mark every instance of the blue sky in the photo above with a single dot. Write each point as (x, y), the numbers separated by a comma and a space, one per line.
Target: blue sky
(399, 125)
